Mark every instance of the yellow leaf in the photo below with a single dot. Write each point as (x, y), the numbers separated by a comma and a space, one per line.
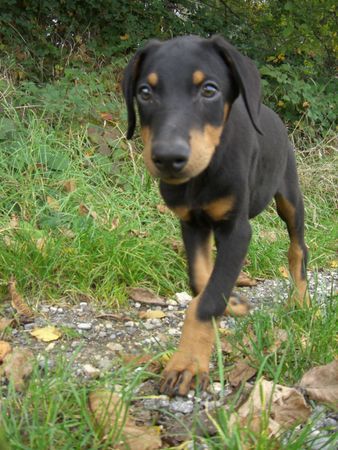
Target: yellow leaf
(124, 37)
(53, 203)
(284, 272)
(5, 349)
(46, 334)
(334, 264)
(17, 366)
(150, 314)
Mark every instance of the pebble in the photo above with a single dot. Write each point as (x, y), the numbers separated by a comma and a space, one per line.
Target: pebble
(53, 309)
(84, 326)
(102, 334)
(130, 323)
(137, 305)
(29, 326)
(183, 298)
(60, 310)
(109, 326)
(105, 363)
(181, 405)
(162, 401)
(91, 371)
(45, 309)
(114, 347)
(171, 302)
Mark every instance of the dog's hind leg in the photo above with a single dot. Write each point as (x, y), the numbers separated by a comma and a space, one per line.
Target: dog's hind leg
(290, 208)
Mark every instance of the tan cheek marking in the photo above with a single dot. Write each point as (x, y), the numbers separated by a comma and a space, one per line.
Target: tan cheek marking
(219, 208)
(152, 79)
(226, 111)
(146, 137)
(182, 212)
(198, 77)
(203, 145)
(203, 266)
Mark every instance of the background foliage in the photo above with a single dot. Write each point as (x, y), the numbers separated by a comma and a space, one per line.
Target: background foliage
(294, 43)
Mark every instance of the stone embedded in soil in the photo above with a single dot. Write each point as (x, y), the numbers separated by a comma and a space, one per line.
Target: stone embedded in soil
(181, 405)
(183, 298)
(91, 371)
(84, 326)
(114, 347)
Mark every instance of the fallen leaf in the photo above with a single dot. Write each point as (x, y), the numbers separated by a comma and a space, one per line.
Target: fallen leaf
(237, 306)
(69, 185)
(14, 222)
(4, 323)
(154, 366)
(17, 366)
(53, 203)
(110, 413)
(108, 117)
(245, 280)
(284, 272)
(40, 243)
(114, 223)
(143, 295)
(85, 211)
(46, 334)
(280, 336)
(162, 208)
(268, 235)
(242, 372)
(139, 233)
(17, 301)
(321, 383)
(5, 349)
(271, 408)
(150, 314)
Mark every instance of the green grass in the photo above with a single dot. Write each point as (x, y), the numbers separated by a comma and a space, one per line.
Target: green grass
(55, 252)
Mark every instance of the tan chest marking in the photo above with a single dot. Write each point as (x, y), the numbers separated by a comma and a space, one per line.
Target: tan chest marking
(218, 209)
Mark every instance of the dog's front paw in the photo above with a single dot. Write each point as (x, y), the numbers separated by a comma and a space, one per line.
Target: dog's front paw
(184, 371)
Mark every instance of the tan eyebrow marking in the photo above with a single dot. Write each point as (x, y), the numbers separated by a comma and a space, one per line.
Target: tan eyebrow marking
(197, 77)
(152, 79)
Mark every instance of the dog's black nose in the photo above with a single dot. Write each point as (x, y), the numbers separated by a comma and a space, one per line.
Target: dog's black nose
(170, 158)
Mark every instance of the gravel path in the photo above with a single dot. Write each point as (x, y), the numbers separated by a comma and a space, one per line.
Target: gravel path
(97, 339)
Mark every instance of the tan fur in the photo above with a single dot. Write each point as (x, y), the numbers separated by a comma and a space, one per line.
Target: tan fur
(295, 253)
(182, 212)
(218, 209)
(152, 79)
(203, 266)
(198, 77)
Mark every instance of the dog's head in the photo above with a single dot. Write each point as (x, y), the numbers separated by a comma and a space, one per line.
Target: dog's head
(184, 89)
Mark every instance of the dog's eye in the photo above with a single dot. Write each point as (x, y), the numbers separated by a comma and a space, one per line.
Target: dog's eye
(209, 90)
(144, 92)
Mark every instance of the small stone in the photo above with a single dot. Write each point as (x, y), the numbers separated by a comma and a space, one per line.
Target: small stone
(191, 394)
(137, 305)
(53, 309)
(105, 363)
(171, 308)
(84, 326)
(91, 371)
(223, 324)
(183, 298)
(60, 310)
(102, 334)
(130, 323)
(215, 388)
(114, 347)
(83, 305)
(108, 325)
(181, 405)
(50, 346)
(45, 309)
(159, 402)
(29, 326)
(171, 302)
(148, 325)
(173, 332)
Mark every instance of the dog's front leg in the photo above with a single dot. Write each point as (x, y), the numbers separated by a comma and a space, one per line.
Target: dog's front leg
(191, 359)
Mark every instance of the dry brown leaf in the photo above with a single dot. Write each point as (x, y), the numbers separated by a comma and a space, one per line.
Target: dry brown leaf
(53, 203)
(139, 233)
(110, 413)
(271, 408)
(280, 336)
(17, 366)
(162, 208)
(238, 306)
(154, 366)
(5, 349)
(17, 301)
(242, 372)
(245, 280)
(283, 271)
(40, 243)
(14, 222)
(321, 383)
(150, 314)
(46, 334)
(4, 323)
(143, 295)
(85, 211)
(69, 185)
(114, 223)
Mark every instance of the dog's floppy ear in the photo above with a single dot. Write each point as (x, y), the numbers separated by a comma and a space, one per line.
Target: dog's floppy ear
(246, 75)
(130, 77)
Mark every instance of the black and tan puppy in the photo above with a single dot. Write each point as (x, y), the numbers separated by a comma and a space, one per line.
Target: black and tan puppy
(221, 156)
